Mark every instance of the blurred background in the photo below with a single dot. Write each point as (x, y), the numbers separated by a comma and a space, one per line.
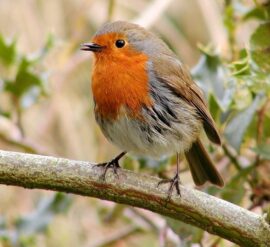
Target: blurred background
(46, 108)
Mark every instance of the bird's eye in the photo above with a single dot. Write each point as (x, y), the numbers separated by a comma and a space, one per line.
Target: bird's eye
(120, 43)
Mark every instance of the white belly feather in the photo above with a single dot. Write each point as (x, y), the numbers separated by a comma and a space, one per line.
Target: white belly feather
(143, 139)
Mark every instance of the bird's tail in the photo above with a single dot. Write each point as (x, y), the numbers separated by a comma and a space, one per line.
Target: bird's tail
(201, 166)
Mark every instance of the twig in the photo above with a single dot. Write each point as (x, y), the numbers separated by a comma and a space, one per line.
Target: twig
(111, 6)
(123, 233)
(23, 144)
(146, 219)
(152, 13)
(261, 117)
(18, 110)
(193, 207)
(232, 157)
(236, 163)
(114, 213)
(214, 23)
(156, 226)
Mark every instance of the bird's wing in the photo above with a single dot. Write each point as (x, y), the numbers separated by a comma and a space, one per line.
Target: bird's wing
(172, 72)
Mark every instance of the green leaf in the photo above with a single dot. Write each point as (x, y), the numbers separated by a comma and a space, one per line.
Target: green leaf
(259, 82)
(241, 67)
(27, 85)
(234, 190)
(214, 79)
(8, 51)
(259, 12)
(213, 107)
(263, 151)
(237, 127)
(260, 47)
(229, 19)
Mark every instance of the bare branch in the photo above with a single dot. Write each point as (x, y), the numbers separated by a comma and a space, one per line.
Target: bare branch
(152, 13)
(194, 207)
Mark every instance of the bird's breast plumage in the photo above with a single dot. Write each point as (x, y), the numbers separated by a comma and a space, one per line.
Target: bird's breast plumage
(163, 123)
(118, 82)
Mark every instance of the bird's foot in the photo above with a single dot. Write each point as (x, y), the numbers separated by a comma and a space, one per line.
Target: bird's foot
(174, 182)
(114, 164)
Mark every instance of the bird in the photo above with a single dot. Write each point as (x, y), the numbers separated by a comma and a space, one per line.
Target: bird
(146, 102)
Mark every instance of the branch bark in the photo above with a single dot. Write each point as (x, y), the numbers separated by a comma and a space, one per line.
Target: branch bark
(79, 177)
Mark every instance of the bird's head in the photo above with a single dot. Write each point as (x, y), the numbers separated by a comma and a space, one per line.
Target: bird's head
(122, 39)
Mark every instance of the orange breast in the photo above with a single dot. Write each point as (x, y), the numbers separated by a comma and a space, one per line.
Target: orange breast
(118, 81)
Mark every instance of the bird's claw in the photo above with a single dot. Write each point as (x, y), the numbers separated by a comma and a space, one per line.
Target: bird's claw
(114, 164)
(106, 166)
(174, 182)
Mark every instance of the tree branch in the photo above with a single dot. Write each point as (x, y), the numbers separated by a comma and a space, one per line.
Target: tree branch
(194, 207)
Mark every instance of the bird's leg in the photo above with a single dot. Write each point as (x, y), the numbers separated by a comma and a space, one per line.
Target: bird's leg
(174, 182)
(114, 164)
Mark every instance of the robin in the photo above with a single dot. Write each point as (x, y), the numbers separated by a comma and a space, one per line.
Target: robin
(147, 103)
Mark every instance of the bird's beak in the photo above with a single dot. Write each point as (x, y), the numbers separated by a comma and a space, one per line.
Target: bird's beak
(92, 47)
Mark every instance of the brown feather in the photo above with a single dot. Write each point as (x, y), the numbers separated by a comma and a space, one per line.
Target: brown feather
(201, 166)
(180, 81)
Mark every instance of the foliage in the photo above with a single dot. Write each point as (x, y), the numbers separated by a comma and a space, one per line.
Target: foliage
(27, 226)
(26, 84)
(234, 77)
